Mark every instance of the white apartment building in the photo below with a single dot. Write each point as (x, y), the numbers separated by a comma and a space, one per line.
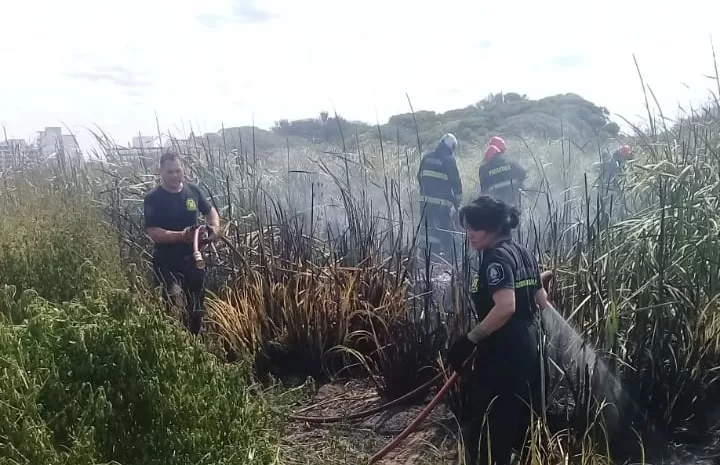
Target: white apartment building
(52, 141)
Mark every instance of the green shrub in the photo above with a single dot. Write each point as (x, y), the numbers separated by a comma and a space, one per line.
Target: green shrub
(103, 380)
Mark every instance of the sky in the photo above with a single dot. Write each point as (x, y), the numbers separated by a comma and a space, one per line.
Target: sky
(89, 64)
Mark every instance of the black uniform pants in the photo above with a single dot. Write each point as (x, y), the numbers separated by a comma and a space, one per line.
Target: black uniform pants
(181, 280)
(498, 424)
(439, 227)
(502, 391)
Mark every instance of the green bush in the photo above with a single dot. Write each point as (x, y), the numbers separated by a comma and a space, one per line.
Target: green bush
(103, 380)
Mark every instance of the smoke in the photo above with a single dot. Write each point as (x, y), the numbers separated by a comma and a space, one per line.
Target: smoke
(374, 190)
(334, 194)
(561, 190)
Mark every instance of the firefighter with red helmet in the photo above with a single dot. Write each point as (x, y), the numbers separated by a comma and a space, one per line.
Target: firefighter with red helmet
(500, 177)
(624, 152)
(613, 166)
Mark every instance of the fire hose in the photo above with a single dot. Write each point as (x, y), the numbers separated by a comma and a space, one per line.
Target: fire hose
(545, 278)
(197, 255)
(419, 419)
(370, 411)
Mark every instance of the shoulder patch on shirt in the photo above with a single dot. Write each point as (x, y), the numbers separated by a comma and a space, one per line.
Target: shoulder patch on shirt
(190, 204)
(495, 274)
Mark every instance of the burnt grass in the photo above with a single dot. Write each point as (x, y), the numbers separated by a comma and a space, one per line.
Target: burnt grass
(434, 441)
(356, 441)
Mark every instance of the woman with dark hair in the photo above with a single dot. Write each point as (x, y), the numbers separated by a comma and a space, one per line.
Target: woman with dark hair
(503, 380)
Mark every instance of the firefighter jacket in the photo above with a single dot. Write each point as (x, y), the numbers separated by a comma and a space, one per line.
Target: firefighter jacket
(500, 174)
(439, 179)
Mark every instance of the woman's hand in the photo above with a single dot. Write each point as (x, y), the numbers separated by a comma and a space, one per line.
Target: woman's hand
(459, 352)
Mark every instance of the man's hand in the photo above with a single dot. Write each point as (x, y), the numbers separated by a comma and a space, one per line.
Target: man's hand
(188, 234)
(213, 233)
(210, 234)
(459, 352)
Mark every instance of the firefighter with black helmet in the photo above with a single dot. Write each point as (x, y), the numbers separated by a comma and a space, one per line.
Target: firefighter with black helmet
(440, 193)
(500, 177)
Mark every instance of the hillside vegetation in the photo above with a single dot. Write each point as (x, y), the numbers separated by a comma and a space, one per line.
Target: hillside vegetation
(511, 114)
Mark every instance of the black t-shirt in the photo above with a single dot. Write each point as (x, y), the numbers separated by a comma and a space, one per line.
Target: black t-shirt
(508, 265)
(508, 358)
(174, 212)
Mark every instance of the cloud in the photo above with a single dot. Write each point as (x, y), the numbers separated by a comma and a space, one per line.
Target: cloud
(240, 11)
(116, 75)
(246, 11)
(211, 21)
(568, 61)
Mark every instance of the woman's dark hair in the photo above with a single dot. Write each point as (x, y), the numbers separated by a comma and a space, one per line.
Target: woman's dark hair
(487, 213)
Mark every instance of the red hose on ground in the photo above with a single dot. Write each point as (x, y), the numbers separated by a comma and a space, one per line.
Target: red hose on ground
(426, 411)
(370, 411)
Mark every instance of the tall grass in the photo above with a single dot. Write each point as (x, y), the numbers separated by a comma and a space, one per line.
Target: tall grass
(53, 243)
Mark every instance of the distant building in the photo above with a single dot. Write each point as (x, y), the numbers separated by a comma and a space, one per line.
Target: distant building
(16, 153)
(52, 142)
(136, 153)
(145, 147)
(143, 142)
(11, 146)
(149, 147)
(48, 144)
(208, 141)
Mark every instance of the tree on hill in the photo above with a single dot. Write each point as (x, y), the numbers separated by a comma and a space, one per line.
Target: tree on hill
(244, 138)
(565, 114)
(510, 113)
(324, 129)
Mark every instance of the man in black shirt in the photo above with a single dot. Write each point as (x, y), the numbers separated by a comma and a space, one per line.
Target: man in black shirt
(171, 216)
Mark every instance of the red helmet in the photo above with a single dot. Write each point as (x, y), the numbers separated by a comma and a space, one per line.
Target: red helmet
(625, 151)
(498, 142)
(491, 152)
